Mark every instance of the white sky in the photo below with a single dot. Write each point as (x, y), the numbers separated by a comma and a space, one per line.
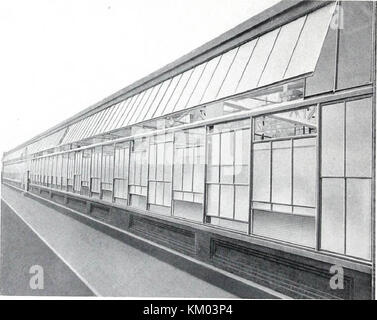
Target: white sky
(58, 57)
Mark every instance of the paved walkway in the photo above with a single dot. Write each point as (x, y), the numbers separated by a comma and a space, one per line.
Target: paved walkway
(93, 261)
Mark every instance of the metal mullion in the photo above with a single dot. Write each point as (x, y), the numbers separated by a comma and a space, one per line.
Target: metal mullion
(337, 36)
(219, 177)
(251, 167)
(233, 174)
(112, 195)
(318, 211)
(141, 182)
(205, 189)
(292, 172)
(271, 159)
(172, 178)
(101, 174)
(345, 174)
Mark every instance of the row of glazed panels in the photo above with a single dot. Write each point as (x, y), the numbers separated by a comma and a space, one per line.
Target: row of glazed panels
(286, 52)
(203, 174)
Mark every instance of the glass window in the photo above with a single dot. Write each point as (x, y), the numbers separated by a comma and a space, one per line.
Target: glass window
(189, 163)
(253, 70)
(359, 138)
(227, 159)
(261, 178)
(281, 172)
(160, 166)
(308, 48)
(304, 172)
(358, 226)
(352, 138)
(355, 44)
(333, 140)
(237, 68)
(219, 75)
(281, 53)
(138, 173)
(332, 215)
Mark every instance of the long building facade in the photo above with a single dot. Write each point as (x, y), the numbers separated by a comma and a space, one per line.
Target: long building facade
(254, 153)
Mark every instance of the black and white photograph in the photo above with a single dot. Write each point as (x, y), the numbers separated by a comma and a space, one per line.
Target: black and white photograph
(200, 151)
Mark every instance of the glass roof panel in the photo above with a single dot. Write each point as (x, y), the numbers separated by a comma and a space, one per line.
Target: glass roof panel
(148, 104)
(309, 45)
(200, 88)
(257, 61)
(133, 108)
(168, 94)
(186, 94)
(236, 70)
(218, 77)
(160, 95)
(282, 52)
(178, 91)
(141, 105)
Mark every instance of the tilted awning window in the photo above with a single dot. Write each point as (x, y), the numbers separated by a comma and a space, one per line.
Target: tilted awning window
(289, 51)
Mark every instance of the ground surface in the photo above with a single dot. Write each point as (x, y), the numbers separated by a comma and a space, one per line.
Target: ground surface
(79, 260)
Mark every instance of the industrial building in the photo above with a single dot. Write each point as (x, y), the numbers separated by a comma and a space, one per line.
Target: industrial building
(254, 153)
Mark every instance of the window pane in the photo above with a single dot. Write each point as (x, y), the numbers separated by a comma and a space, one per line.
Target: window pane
(213, 149)
(333, 140)
(213, 200)
(281, 172)
(219, 75)
(282, 51)
(257, 61)
(304, 172)
(358, 232)
(235, 72)
(359, 138)
(226, 201)
(261, 172)
(286, 227)
(355, 44)
(178, 161)
(332, 215)
(286, 124)
(227, 147)
(187, 169)
(308, 48)
(242, 203)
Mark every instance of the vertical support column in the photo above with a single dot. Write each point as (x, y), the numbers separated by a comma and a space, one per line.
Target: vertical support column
(172, 176)
(113, 187)
(318, 179)
(205, 190)
(128, 171)
(251, 166)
